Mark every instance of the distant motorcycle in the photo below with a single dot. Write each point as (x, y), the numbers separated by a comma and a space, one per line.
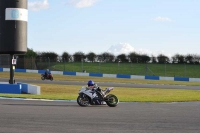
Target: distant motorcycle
(96, 97)
(48, 77)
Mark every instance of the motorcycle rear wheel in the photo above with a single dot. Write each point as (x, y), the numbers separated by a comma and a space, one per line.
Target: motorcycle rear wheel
(112, 100)
(83, 102)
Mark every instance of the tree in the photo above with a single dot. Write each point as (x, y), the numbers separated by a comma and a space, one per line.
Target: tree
(79, 56)
(50, 56)
(162, 59)
(27, 60)
(153, 59)
(91, 56)
(122, 58)
(178, 59)
(134, 57)
(189, 58)
(30, 53)
(196, 59)
(65, 57)
(145, 58)
(106, 57)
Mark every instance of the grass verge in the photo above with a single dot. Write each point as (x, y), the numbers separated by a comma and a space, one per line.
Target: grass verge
(96, 79)
(70, 92)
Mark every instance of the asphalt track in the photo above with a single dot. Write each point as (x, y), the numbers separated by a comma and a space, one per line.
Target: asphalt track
(26, 116)
(106, 84)
(37, 116)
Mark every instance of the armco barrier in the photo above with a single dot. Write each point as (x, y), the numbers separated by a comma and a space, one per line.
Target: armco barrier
(20, 70)
(107, 75)
(41, 71)
(180, 79)
(194, 79)
(69, 73)
(123, 76)
(96, 74)
(152, 77)
(137, 77)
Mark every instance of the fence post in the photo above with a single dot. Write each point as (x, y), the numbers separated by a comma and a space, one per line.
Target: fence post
(49, 62)
(185, 69)
(165, 68)
(82, 64)
(99, 67)
(31, 62)
(118, 66)
(64, 63)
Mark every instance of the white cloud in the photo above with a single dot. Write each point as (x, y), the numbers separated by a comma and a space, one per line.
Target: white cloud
(82, 3)
(121, 48)
(162, 19)
(38, 5)
(126, 48)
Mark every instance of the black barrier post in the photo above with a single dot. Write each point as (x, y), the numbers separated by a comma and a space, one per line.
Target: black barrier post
(11, 81)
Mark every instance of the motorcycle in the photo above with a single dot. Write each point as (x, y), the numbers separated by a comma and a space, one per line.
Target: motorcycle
(48, 77)
(96, 97)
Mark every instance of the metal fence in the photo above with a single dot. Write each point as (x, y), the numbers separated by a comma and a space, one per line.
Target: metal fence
(166, 70)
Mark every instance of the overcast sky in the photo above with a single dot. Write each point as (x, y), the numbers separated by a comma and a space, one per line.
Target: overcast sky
(118, 26)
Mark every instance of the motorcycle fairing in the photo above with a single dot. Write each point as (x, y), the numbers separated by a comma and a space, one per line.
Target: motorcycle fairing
(90, 93)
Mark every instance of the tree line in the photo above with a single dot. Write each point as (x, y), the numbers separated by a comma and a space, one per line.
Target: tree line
(133, 57)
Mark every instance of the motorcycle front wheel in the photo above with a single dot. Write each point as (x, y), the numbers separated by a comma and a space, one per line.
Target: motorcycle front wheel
(83, 101)
(43, 78)
(111, 100)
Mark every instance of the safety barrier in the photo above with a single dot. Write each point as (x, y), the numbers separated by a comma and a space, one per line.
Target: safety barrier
(19, 88)
(106, 75)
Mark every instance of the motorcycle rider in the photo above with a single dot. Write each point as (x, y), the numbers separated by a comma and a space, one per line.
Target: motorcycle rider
(92, 86)
(47, 72)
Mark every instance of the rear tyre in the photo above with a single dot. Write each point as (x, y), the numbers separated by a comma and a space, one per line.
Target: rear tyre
(84, 102)
(112, 100)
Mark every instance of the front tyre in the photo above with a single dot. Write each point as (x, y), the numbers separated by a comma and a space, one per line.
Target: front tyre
(111, 100)
(51, 78)
(43, 78)
(83, 101)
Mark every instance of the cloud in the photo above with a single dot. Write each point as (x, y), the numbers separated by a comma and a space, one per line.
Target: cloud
(82, 3)
(38, 5)
(162, 19)
(126, 48)
(121, 48)
(152, 53)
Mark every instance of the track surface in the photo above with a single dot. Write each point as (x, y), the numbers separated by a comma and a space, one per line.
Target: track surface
(22, 116)
(35, 116)
(106, 84)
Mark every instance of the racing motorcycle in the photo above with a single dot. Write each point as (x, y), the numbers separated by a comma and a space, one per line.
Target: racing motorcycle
(48, 77)
(96, 97)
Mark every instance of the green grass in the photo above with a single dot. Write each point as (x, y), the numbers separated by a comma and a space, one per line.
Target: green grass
(70, 92)
(168, 70)
(37, 76)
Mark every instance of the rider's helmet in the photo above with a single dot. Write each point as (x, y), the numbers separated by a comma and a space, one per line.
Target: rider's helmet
(90, 83)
